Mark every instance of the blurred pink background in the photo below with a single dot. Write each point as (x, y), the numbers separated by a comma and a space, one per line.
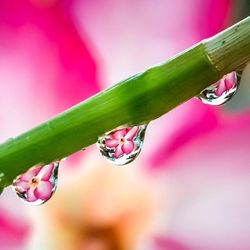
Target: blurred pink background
(188, 189)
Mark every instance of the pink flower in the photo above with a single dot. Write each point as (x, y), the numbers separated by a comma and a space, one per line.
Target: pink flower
(36, 183)
(122, 141)
(226, 83)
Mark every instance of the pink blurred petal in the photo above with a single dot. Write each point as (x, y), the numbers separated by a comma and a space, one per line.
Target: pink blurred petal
(46, 171)
(14, 231)
(212, 16)
(167, 243)
(119, 133)
(111, 143)
(210, 183)
(182, 125)
(128, 147)
(131, 133)
(30, 195)
(56, 62)
(118, 151)
(43, 190)
(30, 174)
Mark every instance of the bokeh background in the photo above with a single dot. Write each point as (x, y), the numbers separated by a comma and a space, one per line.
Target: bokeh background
(188, 189)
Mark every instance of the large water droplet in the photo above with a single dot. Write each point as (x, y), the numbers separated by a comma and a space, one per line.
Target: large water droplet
(222, 91)
(121, 146)
(38, 184)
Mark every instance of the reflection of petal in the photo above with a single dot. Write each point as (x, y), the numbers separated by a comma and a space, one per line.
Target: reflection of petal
(226, 83)
(230, 80)
(131, 133)
(30, 195)
(119, 133)
(46, 171)
(118, 151)
(44, 190)
(22, 184)
(30, 174)
(221, 87)
(128, 147)
(111, 143)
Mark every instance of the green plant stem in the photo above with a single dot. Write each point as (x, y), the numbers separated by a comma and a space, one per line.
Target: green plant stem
(136, 100)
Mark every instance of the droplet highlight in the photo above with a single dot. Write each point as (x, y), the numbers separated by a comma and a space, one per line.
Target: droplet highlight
(2, 177)
(3, 180)
(222, 91)
(121, 146)
(38, 184)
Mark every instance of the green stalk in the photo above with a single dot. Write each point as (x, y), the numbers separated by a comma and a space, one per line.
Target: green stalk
(136, 100)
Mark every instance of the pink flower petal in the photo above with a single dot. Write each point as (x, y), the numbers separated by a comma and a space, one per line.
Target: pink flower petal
(46, 171)
(221, 88)
(132, 133)
(118, 151)
(44, 190)
(230, 80)
(119, 133)
(128, 147)
(30, 195)
(226, 83)
(111, 143)
(22, 184)
(30, 174)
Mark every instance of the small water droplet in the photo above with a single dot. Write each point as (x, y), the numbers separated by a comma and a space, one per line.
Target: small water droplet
(3, 180)
(38, 184)
(121, 146)
(222, 91)
(10, 139)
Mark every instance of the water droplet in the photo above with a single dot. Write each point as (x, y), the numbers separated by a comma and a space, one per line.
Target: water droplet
(38, 184)
(10, 139)
(3, 180)
(222, 91)
(121, 146)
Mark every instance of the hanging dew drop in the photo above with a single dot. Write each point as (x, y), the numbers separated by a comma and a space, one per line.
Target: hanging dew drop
(222, 91)
(38, 184)
(121, 146)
